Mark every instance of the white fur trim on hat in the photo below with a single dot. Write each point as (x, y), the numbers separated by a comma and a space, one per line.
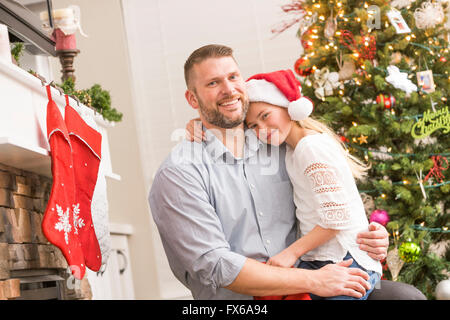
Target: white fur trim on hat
(300, 109)
(265, 91)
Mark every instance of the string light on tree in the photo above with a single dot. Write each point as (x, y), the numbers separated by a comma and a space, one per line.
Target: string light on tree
(378, 105)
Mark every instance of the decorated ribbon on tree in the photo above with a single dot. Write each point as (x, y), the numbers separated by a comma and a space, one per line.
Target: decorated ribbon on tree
(366, 49)
(295, 8)
(325, 82)
(438, 167)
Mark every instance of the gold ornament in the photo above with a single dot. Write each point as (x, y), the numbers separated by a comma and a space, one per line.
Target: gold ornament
(346, 68)
(394, 263)
(362, 139)
(396, 57)
(330, 27)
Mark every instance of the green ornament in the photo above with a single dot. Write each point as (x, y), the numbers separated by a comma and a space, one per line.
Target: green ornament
(409, 251)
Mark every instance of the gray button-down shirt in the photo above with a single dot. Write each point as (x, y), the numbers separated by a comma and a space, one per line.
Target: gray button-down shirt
(213, 210)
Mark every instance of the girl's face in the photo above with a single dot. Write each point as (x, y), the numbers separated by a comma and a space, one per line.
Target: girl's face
(272, 124)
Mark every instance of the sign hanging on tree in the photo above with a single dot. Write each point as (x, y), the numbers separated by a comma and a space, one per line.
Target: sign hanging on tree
(430, 122)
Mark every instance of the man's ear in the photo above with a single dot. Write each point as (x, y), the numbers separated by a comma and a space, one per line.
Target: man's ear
(191, 99)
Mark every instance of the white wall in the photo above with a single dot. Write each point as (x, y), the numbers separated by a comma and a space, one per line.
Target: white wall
(161, 34)
(104, 59)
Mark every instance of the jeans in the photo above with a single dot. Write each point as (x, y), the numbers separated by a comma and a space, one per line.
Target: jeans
(313, 265)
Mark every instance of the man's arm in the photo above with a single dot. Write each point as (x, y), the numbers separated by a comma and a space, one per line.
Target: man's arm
(190, 229)
(259, 279)
(194, 241)
(375, 241)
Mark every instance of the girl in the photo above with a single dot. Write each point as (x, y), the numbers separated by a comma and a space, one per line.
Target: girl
(329, 208)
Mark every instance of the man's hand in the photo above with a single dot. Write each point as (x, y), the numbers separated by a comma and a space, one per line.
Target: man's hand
(285, 258)
(375, 241)
(337, 279)
(194, 131)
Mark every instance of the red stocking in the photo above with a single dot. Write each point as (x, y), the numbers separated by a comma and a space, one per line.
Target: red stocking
(86, 153)
(58, 221)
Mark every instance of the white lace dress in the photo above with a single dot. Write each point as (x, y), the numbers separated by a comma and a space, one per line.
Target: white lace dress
(325, 194)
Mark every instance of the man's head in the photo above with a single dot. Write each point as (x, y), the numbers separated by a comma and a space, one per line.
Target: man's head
(215, 86)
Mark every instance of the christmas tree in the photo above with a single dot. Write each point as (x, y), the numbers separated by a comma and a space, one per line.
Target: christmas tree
(378, 73)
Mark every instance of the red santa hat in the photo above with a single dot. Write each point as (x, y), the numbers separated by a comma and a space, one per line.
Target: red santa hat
(281, 89)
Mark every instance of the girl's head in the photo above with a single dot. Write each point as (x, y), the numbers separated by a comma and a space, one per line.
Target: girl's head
(271, 124)
(276, 105)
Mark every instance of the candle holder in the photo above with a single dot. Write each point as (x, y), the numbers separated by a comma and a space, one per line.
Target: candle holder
(66, 58)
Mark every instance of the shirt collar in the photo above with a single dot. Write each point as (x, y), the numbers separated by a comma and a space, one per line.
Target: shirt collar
(218, 151)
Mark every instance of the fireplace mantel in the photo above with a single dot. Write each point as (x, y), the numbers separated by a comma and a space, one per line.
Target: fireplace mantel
(23, 130)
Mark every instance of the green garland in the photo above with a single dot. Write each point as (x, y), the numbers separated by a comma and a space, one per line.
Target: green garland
(95, 97)
(17, 51)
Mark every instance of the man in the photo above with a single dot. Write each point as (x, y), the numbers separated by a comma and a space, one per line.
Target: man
(225, 206)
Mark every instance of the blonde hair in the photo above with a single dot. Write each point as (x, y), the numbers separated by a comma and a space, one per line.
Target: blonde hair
(357, 167)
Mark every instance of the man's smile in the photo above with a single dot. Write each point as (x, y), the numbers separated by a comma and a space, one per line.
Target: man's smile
(230, 105)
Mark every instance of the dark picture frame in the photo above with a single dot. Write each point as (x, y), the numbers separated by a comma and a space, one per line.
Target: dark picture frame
(25, 26)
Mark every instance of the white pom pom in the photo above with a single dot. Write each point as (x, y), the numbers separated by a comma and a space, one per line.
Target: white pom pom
(300, 109)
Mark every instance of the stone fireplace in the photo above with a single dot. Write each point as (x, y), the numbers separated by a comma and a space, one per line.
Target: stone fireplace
(30, 267)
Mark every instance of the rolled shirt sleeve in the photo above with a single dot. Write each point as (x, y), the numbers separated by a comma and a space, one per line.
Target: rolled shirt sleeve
(190, 229)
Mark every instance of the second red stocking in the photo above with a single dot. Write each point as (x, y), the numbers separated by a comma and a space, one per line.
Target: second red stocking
(86, 154)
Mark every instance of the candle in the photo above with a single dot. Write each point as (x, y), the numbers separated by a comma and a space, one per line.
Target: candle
(5, 49)
(63, 41)
(65, 23)
(66, 13)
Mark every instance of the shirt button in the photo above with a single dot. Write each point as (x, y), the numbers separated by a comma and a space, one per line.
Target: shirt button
(261, 214)
(252, 186)
(268, 241)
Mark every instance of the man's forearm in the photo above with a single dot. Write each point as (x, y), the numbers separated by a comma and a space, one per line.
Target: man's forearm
(258, 279)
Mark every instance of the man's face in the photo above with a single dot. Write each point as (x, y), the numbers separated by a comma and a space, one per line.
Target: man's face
(219, 92)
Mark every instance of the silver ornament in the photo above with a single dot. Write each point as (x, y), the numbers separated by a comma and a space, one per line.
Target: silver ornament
(443, 290)
(429, 15)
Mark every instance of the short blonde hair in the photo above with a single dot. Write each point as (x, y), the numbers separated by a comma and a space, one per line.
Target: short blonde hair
(203, 53)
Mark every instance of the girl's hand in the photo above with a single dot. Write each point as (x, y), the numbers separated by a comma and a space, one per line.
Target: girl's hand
(285, 258)
(194, 131)
(375, 241)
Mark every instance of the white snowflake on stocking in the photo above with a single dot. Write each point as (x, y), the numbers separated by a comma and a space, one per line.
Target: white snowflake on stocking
(63, 223)
(77, 221)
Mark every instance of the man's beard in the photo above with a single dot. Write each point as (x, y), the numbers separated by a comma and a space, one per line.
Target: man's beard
(216, 118)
